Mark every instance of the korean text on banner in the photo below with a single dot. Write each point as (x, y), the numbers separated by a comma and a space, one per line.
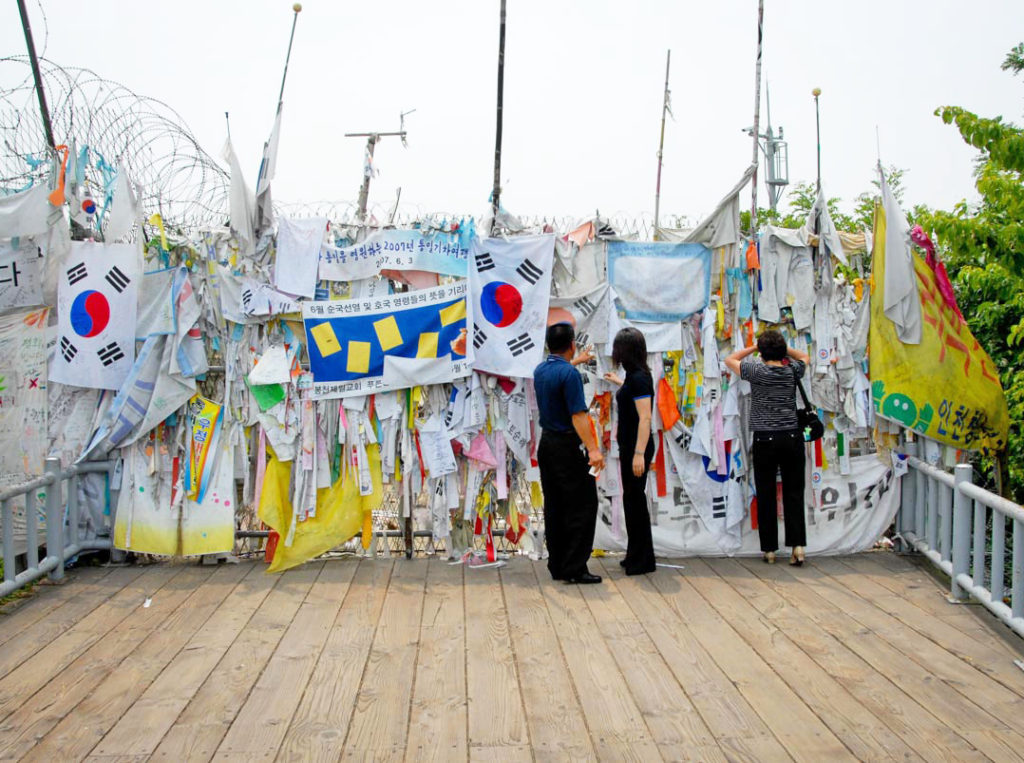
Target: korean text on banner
(681, 273)
(361, 346)
(510, 287)
(20, 281)
(395, 250)
(97, 301)
(23, 437)
(946, 387)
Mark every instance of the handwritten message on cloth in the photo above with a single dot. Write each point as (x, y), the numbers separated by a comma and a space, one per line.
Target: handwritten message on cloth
(946, 387)
(659, 282)
(23, 436)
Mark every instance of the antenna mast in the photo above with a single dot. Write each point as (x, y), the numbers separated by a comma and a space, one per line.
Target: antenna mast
(665, 108)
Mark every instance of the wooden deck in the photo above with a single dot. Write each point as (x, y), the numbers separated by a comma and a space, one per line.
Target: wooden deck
(849, 658)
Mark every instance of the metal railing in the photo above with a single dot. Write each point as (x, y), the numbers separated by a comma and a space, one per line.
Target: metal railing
(59, 549)
(961, 529)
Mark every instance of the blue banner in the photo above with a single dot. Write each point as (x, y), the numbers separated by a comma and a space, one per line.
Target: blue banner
(361, 346)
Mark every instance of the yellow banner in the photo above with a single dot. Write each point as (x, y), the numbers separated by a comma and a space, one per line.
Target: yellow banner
(340, 511)
(203, 433)
(946, 387)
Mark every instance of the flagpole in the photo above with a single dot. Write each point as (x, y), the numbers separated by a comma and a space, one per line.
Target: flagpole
(757, 118)
(661, 146)
(264, 207)
(44, 110)
(817, 130)
(496, 190)
(297, 7)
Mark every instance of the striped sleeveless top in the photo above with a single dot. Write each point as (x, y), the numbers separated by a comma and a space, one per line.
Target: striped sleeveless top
(772, 393)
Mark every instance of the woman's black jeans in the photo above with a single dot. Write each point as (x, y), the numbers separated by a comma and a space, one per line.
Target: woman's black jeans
(773, 453)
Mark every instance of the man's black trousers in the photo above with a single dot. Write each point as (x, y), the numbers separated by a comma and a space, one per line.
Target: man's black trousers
(570, 503)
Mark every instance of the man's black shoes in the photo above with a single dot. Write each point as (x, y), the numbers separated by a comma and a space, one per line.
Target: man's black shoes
(585, 579)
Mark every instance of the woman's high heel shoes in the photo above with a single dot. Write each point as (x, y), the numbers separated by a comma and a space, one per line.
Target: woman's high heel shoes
(769, 557)
(797, 559)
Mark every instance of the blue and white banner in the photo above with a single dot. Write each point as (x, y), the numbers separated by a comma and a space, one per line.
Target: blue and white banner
(363, 346)
(659, 282)
(395, 250)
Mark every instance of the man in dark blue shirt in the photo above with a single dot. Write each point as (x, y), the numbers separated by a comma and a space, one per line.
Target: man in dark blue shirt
(567, 452)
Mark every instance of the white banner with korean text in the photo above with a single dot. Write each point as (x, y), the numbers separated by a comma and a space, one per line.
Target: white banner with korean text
(443, 253)
(855, 509)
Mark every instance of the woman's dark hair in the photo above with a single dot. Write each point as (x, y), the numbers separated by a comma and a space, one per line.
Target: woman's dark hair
(629, 350)
(771, 345)
(559, 338)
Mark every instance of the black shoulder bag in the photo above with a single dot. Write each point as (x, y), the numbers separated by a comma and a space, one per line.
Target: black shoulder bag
(806, 417)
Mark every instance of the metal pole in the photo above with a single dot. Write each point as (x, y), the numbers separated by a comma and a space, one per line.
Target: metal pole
(996, 581)
(496, 191)
(297, 8)
(407, 507)
(757, 118)
(364, 190)
(921, 486)
(7, 519)
(54, 518)
(1017, 574)
(945, 521)
(961, 530)
(661, 146)
(817, 126)
(978, 561)
(44, 110)
(372, 139)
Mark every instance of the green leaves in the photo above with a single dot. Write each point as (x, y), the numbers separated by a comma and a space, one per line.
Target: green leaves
(983, 247)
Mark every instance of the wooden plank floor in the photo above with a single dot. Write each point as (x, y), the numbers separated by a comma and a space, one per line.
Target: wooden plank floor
(850, 658)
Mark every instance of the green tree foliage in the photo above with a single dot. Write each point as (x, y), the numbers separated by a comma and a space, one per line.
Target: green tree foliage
(800, 200)
(982, 245)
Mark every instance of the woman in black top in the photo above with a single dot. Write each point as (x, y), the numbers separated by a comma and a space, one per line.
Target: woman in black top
(778, 446)
(636, 449)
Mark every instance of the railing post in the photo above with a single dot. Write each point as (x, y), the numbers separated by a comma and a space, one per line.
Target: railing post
(961, 530)
(934, 487)
(906, 511)
(945, 521)
(996, 577)
(920, 492)
(31, 530)
(1017, 589)
(73, 536)
(979, 536)
(8, 540)
(55, 518)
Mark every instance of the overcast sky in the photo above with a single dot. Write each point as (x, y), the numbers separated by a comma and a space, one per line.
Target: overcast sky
(583, 91)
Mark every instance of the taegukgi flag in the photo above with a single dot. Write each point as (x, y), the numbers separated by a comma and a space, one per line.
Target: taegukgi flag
(510, 286)
(97, 304)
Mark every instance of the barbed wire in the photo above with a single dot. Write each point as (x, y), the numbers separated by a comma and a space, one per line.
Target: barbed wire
(143, 135)
(178, 178)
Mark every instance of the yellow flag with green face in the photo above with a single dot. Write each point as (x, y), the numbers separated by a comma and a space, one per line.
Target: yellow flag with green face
(946, 387)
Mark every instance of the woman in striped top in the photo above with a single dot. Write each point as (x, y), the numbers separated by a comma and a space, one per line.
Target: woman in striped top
(778, 442)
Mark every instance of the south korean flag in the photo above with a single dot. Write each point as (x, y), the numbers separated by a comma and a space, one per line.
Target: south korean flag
(510, 284)
(590, 314)
(97, 304)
